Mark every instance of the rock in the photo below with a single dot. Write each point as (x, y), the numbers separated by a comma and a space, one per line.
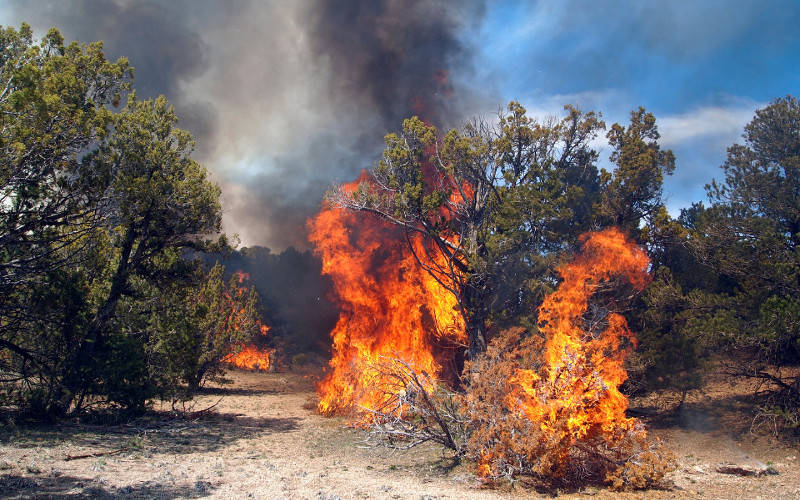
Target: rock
(695, 470)
(321, 495)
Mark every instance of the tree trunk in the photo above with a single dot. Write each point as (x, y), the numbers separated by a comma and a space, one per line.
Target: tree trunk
(74, 379)
(474, 307)
(476, 333)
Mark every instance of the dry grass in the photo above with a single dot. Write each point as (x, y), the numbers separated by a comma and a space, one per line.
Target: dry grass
(263, 442)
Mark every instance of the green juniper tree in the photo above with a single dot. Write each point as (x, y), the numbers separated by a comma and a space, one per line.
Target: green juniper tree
(750, 236)
(55, 106)
(99, 209)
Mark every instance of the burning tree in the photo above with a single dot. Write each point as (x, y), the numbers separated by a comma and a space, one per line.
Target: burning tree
(239, 314)
(470, 202)
(473, 223)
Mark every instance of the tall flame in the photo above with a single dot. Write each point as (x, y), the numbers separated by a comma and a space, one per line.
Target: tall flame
(575, 395)
(390, 308)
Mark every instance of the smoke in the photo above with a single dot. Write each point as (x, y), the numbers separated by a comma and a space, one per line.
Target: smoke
(393, 57)
(294, 294)
(284, 98)
(164, 50)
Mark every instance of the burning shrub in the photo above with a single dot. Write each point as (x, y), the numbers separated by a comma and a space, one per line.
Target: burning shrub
(552, 449)
(550, 408)
(198, 330)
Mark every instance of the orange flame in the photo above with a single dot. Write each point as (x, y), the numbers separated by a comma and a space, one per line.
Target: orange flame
(582, 369)
(390, 308)
(251, 357)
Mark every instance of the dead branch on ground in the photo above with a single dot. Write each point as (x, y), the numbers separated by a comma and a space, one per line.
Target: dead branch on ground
(417, 410)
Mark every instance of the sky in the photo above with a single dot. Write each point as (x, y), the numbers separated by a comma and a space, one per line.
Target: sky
(287, 98)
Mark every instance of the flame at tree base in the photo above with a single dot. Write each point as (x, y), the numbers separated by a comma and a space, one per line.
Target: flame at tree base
(390, 308)
(251, 357)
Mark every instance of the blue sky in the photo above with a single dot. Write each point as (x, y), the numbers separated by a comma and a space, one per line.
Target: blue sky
(701, 66)
(286, 98)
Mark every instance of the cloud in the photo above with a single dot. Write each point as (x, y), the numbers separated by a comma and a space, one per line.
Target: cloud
(699, 139)
(712, 122)
(665, 55)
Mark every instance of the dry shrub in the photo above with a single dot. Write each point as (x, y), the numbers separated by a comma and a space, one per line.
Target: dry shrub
(556, 449)
(487, 425)
(415, 409)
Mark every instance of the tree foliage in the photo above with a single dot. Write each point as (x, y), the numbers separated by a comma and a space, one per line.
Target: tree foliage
(98, 208)
(728, 275)
(632, 193)
(197, 326)
(490, 203)
(749, 236)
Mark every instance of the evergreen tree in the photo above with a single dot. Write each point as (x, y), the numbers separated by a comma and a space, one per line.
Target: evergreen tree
(749, 236)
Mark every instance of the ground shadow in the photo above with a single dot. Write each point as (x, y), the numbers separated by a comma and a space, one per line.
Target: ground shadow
(60, 487)
(278, 383)
(237, 391)
(154, 433)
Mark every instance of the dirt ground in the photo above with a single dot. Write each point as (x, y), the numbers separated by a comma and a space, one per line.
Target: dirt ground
(263, 441)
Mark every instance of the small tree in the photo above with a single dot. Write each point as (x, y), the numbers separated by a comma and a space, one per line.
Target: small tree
(96, 208)
(162, 202)
(507, 444)
(198, 326)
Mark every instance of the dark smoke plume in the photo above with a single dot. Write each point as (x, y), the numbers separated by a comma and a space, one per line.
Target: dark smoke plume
(284, 98)
(394, 58)
(295, 296)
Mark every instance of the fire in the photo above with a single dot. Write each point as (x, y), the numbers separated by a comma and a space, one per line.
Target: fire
(574, 397)
(390, 308)
(251, 357)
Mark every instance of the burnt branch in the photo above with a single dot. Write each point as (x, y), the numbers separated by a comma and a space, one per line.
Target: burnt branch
(417, 411)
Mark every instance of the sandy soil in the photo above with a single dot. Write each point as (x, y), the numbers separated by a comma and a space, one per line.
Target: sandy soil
(263, 441)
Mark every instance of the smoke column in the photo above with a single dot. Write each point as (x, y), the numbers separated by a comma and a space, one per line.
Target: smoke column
(284, 98)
